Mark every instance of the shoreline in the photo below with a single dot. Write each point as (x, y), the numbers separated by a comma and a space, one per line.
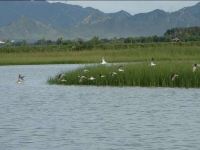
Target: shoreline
(97, 63)
(32, 56)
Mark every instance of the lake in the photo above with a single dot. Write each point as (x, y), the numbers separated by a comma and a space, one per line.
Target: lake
(38, 116)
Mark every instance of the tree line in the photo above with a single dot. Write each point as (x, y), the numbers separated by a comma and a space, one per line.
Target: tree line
(182, 34)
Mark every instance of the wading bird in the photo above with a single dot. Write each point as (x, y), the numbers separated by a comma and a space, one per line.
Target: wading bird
(194, 68)
(102, 76)
(120, 69)
(152, 62)
(113, 73)
(91, 78)
(103, 62)
(174, 76)
(63, 80)
(81, 78)
(85, 70)
(61, 76)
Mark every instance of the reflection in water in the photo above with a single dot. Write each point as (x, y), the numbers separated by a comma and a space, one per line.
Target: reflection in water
(35, 115)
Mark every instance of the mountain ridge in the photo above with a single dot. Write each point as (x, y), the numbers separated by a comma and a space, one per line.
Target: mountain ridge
(72, 21)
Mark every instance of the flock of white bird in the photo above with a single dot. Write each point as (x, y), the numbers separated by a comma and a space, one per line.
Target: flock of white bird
(103, 62)
(91, 78)
(120, 69)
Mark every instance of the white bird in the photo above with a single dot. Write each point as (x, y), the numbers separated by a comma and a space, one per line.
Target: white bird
(81, 78)
(19, 82)
(61, 76)
(113, 73)
(103, 62)
(174, 76)
(152, 63)
(92, 78)
(1, 42)
(194, 68)
(12, 41)
(63, 80)
(20, 79)
(102, 76)
(120, 69)
(85, 70)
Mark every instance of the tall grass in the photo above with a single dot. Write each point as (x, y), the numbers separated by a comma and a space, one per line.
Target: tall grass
(140, 74)
(60, 55)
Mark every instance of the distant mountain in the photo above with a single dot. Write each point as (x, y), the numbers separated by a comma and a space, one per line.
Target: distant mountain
(35, 20)
(25, 28)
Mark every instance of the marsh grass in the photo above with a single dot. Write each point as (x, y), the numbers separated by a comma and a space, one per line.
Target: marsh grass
(140, 74)
(60, 55)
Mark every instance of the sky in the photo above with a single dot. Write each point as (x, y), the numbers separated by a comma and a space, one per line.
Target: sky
(133, 7)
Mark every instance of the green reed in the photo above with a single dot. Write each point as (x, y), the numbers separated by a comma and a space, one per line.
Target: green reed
(139, 74)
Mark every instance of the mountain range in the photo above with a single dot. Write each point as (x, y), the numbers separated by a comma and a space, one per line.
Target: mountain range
(34, 20)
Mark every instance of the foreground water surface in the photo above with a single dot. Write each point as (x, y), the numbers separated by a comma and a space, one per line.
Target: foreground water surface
(38, 116)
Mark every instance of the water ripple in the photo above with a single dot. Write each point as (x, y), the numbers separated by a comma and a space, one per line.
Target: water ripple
(36, 115)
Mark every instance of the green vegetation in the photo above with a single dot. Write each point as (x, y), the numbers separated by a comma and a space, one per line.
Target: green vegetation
(172, 57)
(184, 34)
(128, 49)
(57, 54)
(137, 74)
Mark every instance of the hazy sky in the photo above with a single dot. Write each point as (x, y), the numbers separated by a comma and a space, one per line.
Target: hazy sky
(134, 7)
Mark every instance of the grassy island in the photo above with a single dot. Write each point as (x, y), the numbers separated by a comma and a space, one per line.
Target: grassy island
(137, 74)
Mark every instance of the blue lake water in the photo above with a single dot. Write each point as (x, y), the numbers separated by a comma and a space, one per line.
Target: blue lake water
(38, 116)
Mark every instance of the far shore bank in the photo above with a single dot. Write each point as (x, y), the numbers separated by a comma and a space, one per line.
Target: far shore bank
(43, 55)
